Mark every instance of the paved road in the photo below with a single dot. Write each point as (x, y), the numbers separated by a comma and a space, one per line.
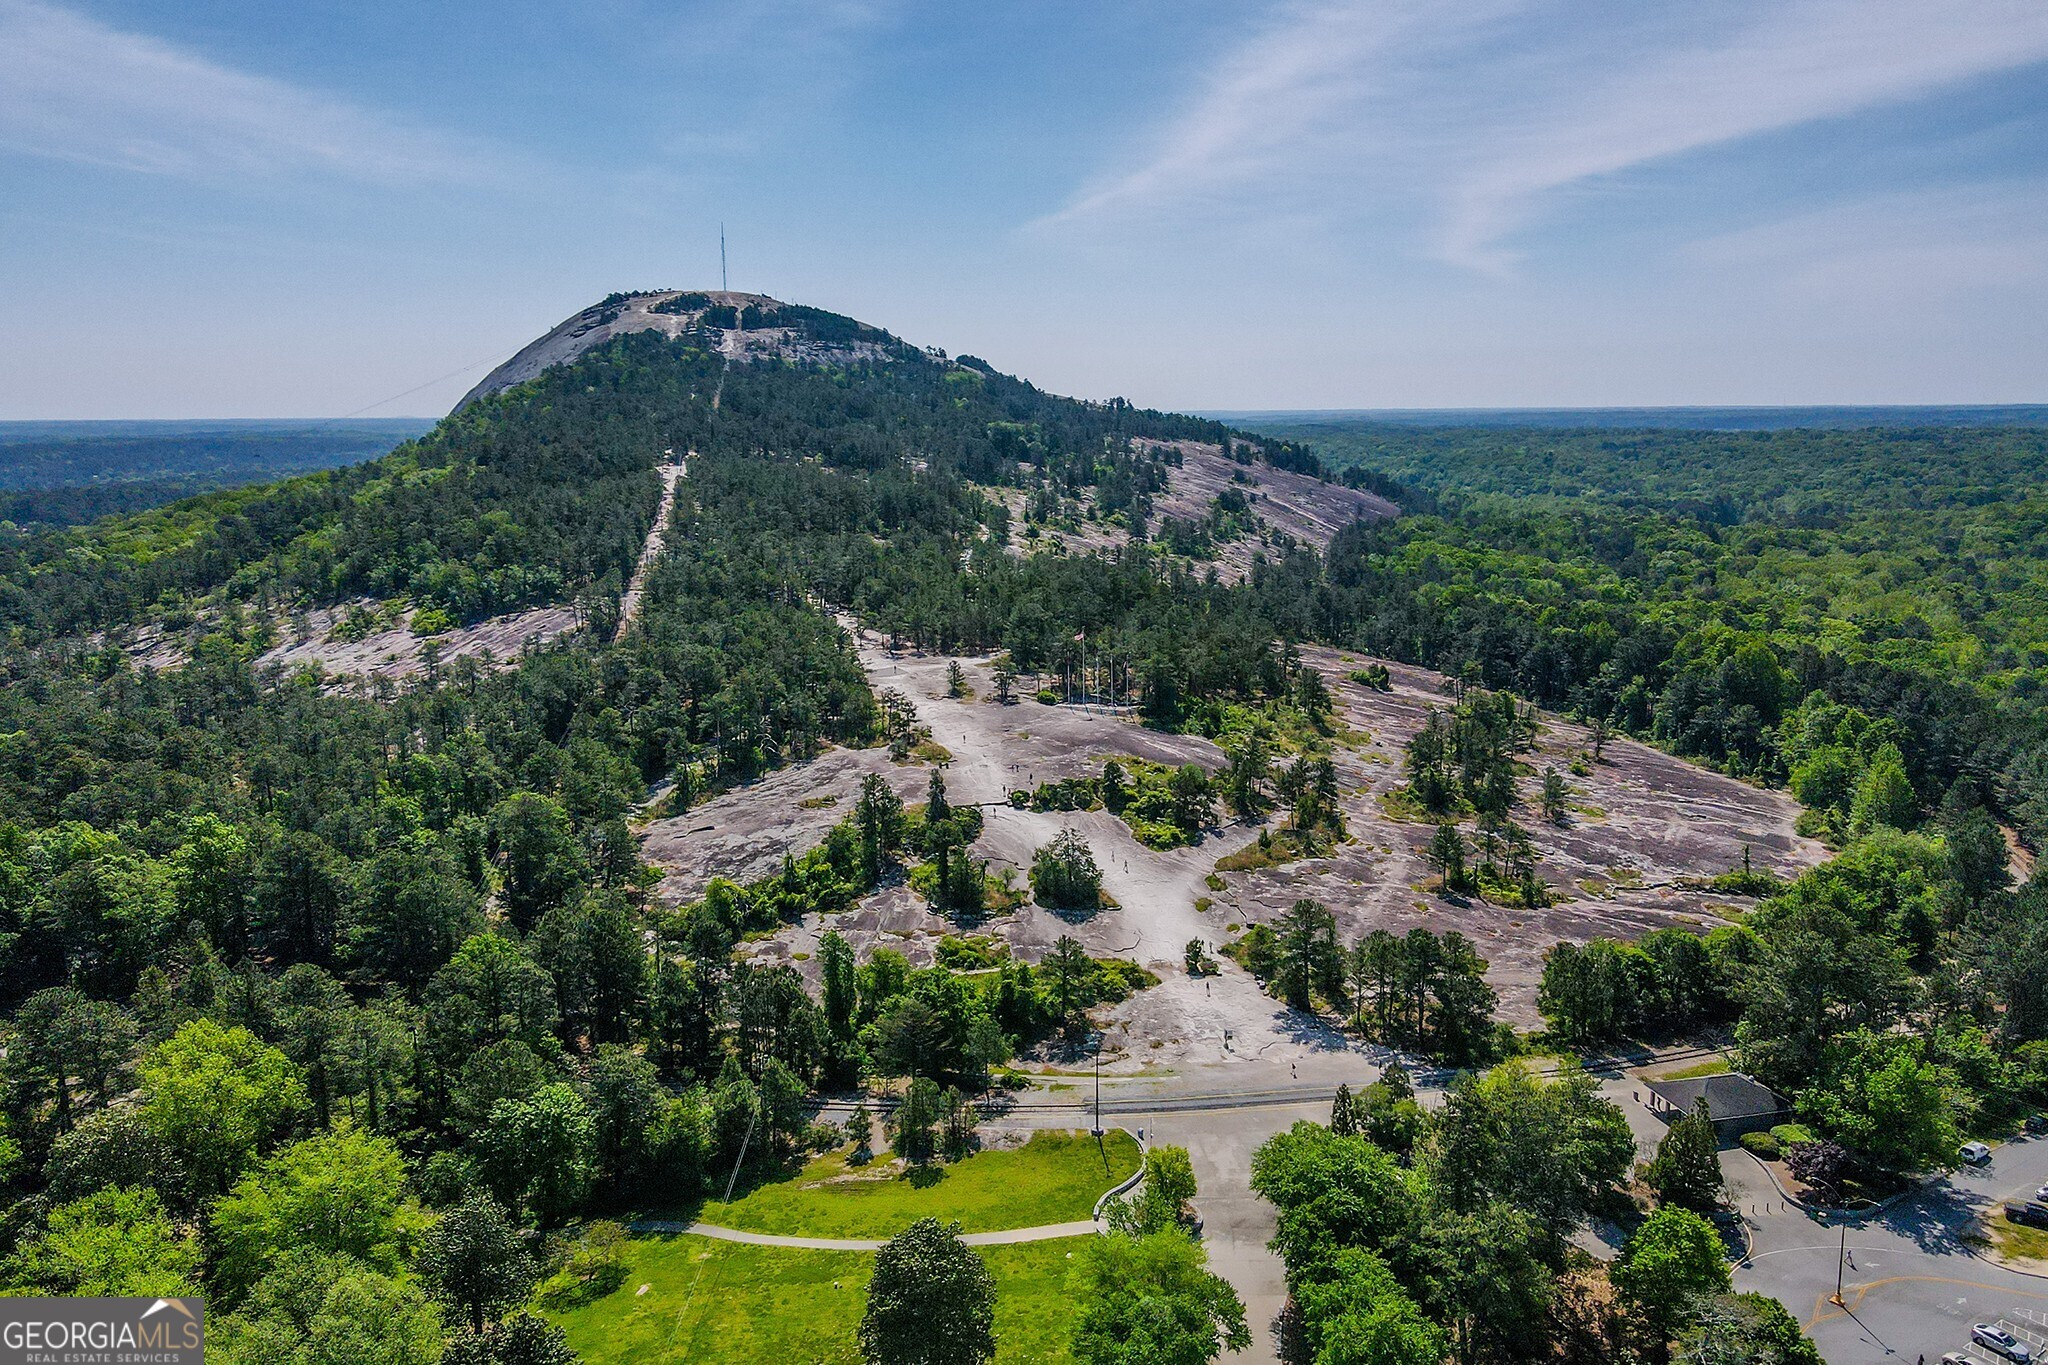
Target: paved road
(1915, 1287)
(1221, 1114)
(1911, 1284)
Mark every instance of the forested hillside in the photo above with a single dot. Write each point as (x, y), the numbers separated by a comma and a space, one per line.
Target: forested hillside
(411, 926)
(262, 936)
(1631, 575)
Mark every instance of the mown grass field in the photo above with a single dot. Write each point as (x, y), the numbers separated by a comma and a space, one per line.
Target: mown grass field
(1053, 1178)
(721, 1303)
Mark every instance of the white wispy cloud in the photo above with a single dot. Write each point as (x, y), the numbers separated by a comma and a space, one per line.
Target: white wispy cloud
(1473, 117)
(1288, 87)
(75, 89)
(1795, 64)
(1926, 245)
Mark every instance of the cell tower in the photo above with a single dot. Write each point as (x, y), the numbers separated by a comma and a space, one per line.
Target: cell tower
(722, 283)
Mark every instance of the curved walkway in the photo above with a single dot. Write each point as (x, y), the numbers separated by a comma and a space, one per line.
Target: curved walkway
(1046, 1232)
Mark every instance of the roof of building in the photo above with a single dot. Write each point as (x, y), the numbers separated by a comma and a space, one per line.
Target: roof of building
(1730, 1095)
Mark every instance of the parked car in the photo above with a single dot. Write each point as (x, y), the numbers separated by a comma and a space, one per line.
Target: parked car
(2041, 1193)
(2032, 1214)
(1960, 1358)
(2037, 1123)
(1995, 1338)
(1974, 1153)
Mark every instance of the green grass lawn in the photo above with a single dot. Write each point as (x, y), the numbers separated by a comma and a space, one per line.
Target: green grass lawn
(1053, 1178)
(720, 1303)
(2016, 1242)
(1712, 1066)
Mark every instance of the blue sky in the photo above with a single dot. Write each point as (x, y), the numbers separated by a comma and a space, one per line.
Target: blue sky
(234, 207)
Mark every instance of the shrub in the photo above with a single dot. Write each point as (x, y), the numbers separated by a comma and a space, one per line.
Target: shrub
(593, 1267)
(1117, 979)
(971, 954)
(1762, 1144)
(1373, 676)
(1823, 1166)
(1258, 952)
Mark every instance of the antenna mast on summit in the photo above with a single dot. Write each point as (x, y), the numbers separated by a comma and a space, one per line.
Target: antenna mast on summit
(722, 284)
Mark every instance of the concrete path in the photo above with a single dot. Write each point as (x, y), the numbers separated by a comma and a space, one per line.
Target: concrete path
(1046, 1232)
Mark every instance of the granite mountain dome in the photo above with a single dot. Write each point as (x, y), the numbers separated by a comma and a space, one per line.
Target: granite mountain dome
(739, 326)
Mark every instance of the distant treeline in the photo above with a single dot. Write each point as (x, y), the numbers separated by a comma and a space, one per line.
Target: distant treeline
(71, 473)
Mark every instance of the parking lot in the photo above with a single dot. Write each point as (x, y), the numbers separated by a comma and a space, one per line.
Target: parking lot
(1914, 1279)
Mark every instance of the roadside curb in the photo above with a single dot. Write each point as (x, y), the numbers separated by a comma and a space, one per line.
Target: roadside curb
(2001, 1262)
(1860, 1217)
(1829, 1215)
(1779, 1185)
(1131, 1182)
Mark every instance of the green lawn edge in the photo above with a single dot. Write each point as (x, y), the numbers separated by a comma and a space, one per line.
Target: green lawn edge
(1056, 1177)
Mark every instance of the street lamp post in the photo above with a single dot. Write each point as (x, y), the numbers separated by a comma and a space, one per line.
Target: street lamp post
(1097, 1132)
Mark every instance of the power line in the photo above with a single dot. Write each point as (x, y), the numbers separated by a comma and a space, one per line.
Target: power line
(417, 387)
(335, 421)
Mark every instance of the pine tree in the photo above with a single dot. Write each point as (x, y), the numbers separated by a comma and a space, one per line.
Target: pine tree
(839, 988)
(1687, 1168)
(1446, 853)
(1556, 796)
(1343, 1114)
(879, 815)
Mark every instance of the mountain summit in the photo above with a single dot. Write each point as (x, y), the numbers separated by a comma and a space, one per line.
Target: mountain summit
(739, 326)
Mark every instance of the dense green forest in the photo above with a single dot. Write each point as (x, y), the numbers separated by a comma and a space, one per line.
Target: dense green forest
(70, 473)
(262, 939)
(1851, 614)
(1641, 577)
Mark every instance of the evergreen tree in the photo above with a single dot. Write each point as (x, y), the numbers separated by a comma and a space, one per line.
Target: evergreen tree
(1446, 853)
(471, 1259)
(1343, 1114)
(1686, 1171)
(839, 989)
(879, 815)
(931, 1301)
(1309, 957)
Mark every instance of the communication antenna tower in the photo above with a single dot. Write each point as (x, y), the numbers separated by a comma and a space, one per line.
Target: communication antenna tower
(722, 283)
